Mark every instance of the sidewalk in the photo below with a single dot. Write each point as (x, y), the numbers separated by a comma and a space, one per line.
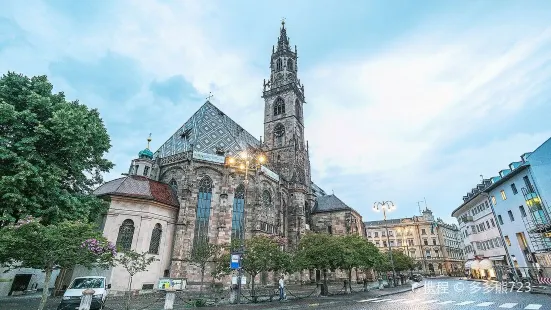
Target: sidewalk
(341, 299)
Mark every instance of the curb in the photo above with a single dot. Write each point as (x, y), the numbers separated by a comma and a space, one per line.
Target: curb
(398, 292)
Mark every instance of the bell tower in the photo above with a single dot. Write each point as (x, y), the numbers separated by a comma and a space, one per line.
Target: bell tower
(284, 135)
(283, 114)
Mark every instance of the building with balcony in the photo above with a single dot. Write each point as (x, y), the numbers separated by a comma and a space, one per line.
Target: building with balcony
(519, 197)
(434, 244)
(482, 242)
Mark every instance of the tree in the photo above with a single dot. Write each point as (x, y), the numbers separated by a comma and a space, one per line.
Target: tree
(261, 254)
(201, 255)
(317, 251)
(51, 153)
(354, 252)
(29, 244)
(134, 263)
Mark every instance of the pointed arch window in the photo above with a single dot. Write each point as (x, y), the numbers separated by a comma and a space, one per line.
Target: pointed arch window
(279, 106)
(238, 214)
(126, 235)
(267, 203)
(298, 109)
(155, 239)
(279, 65)
(289, 64)
(203, 212)
(174, 184)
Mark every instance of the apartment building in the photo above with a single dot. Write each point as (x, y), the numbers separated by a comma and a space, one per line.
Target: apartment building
(434, 244)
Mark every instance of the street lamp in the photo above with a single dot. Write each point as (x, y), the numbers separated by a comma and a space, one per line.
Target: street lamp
(387, 206)
(251, 159)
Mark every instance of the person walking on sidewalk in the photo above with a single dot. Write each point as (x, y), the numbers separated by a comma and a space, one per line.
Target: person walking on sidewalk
(281, 288)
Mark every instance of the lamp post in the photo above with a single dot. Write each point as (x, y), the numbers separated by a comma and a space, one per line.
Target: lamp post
(387, 206)
(251, 159)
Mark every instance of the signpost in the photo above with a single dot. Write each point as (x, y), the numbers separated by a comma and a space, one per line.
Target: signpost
(235, 263)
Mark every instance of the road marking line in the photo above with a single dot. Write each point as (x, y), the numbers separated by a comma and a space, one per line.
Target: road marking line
(468, 302)
(397, 300)
(410, 301)
(446, 302)
(485, 304)
(381, 300)
(508, 305)
(430, 301)
(366, 300)
(533, 306)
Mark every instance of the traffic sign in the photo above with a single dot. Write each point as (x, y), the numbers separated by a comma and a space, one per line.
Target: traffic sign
(235, 262)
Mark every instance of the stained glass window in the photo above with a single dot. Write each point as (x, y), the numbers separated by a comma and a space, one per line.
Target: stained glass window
(267, 202)
(155, 239)
(238, 213)
(203, 212)
(126, 234)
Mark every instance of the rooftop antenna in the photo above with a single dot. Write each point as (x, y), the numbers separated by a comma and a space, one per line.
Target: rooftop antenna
(418, 205)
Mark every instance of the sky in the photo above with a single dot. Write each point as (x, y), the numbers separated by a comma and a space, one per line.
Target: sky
(406, 100)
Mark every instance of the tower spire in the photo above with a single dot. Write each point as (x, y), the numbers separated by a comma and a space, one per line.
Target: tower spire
(148, 141)
(283, 40)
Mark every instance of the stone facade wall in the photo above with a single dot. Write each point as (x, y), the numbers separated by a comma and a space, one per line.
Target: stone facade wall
(341, 222)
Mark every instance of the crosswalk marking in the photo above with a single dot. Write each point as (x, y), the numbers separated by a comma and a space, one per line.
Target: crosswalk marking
(397, 300)
(366, 300)
(485, 304)
(446, 302)
(463, 303)
(468, 302)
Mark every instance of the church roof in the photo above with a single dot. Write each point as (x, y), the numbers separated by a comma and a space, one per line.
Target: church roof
(139, 187)
(330, 203)
(209, 130)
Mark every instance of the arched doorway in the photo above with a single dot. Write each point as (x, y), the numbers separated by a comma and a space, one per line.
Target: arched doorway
(431, 268)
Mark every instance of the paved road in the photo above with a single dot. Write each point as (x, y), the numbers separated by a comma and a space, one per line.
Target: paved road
(453, 295)
(444, 294)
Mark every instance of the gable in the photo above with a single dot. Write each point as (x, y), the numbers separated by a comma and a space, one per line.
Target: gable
(208, 129)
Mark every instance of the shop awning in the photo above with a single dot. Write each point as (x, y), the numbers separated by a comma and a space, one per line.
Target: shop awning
(468, 264)
(475, 265)
(497, 257)
(485, 264)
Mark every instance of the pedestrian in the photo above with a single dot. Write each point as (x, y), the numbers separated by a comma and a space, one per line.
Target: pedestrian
(281, 288)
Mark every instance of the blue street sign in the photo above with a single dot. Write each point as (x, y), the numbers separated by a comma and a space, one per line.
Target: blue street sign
(235, 261)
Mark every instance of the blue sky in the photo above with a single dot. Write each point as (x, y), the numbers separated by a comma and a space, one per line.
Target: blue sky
(405, 99)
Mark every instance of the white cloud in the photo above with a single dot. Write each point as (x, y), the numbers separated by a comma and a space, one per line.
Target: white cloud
(387, 111)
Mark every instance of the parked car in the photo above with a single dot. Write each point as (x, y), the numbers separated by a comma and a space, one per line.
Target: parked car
(73, 294)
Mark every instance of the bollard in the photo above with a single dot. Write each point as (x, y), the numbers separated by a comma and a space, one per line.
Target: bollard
(233, 294)
(169, 298)
(86, 300)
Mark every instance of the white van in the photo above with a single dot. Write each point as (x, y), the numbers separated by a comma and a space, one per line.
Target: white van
(73, 294)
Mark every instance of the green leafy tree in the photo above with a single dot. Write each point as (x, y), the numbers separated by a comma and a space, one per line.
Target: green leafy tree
(354, 252)
(134, 263)
(402, 262)
(262, 254)
(51, 153)
(201, 255)
(317, 251)
(29, 244)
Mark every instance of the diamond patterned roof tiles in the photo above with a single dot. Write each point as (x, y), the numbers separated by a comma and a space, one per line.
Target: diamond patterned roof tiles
(208, 129)
(139, 187)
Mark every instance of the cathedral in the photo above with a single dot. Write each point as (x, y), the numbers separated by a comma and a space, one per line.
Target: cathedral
(214, 182)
